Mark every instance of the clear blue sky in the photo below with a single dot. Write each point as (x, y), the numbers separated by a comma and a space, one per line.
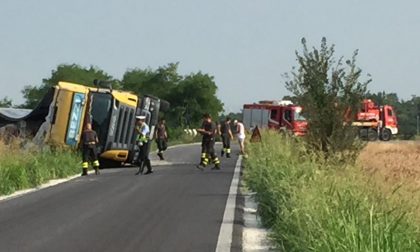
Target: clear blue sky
(245, 44)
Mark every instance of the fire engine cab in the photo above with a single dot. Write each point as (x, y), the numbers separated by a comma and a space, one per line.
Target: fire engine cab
(280, 115)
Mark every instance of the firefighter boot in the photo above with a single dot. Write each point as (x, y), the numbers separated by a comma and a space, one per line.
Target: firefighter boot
(96, 166)
(85, 166)
(216, 167)
(160, 156)
(228, 152)
(203, 162)
(84, 171)
(216, 162)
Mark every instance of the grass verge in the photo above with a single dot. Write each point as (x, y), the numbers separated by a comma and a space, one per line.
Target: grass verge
(22, 169)
(310, 206)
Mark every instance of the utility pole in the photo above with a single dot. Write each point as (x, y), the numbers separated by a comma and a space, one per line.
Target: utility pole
(418, 119)
(418, 125)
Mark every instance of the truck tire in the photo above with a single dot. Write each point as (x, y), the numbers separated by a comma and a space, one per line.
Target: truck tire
(386, 135)
(372, 135)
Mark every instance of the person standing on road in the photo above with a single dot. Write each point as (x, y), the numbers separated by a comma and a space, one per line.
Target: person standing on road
(161, 136)
(208, 130)
(226, 134)
(89, 149)
(143, 132)
(240, 134)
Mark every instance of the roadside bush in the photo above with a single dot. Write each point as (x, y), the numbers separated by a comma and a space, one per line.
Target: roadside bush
(314, 206)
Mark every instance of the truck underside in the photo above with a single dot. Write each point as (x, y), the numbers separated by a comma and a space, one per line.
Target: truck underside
(25, 122)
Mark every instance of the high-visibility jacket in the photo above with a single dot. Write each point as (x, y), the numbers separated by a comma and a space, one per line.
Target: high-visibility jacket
(144, 132)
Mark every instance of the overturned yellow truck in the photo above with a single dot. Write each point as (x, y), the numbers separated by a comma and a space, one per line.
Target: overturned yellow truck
(60, 116)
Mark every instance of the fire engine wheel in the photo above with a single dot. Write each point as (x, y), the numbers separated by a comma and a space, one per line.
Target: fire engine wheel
(372, 135)
(386, 135)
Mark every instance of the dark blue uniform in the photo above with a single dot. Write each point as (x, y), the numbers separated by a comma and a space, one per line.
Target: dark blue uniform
(207, 145)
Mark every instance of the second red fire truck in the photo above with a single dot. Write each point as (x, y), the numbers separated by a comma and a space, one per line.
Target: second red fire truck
(281, 115)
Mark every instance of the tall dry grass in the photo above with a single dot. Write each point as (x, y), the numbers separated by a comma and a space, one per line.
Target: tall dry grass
(395, 168)
(396, 161)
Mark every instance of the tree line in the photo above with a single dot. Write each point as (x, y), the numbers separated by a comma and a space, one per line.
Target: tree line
(408, 111)
(190, 96)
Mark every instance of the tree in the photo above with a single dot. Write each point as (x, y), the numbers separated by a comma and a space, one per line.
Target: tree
(158, 83)
(406, 111)
(71, 73)
(192, 97)
(6, 102)
(329, 92)
(189, 96)
(382, 98)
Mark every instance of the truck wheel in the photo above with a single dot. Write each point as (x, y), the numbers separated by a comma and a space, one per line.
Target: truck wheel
(386, 135)
(372, 135)
(363, 134)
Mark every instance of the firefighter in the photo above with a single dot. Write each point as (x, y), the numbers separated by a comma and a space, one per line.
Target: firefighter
(161, 137)
(143, 132)
(208, 130)
(89, 150)
(226, 134)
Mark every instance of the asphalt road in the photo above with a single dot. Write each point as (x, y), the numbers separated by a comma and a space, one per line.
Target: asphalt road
(177, 208)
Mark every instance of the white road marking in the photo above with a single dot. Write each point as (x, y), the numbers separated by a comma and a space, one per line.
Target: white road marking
(224, 242)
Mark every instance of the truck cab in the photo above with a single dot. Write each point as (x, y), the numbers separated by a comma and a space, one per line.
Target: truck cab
(113, 116)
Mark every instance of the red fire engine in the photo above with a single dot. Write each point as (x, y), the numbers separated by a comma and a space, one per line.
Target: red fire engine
(376, 121)
(280, 115)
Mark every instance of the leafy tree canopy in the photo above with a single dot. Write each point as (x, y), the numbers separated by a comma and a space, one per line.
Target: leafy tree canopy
(6, 102)
(407, 111)
(70, 73)
(189, 96)
(158, 82)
